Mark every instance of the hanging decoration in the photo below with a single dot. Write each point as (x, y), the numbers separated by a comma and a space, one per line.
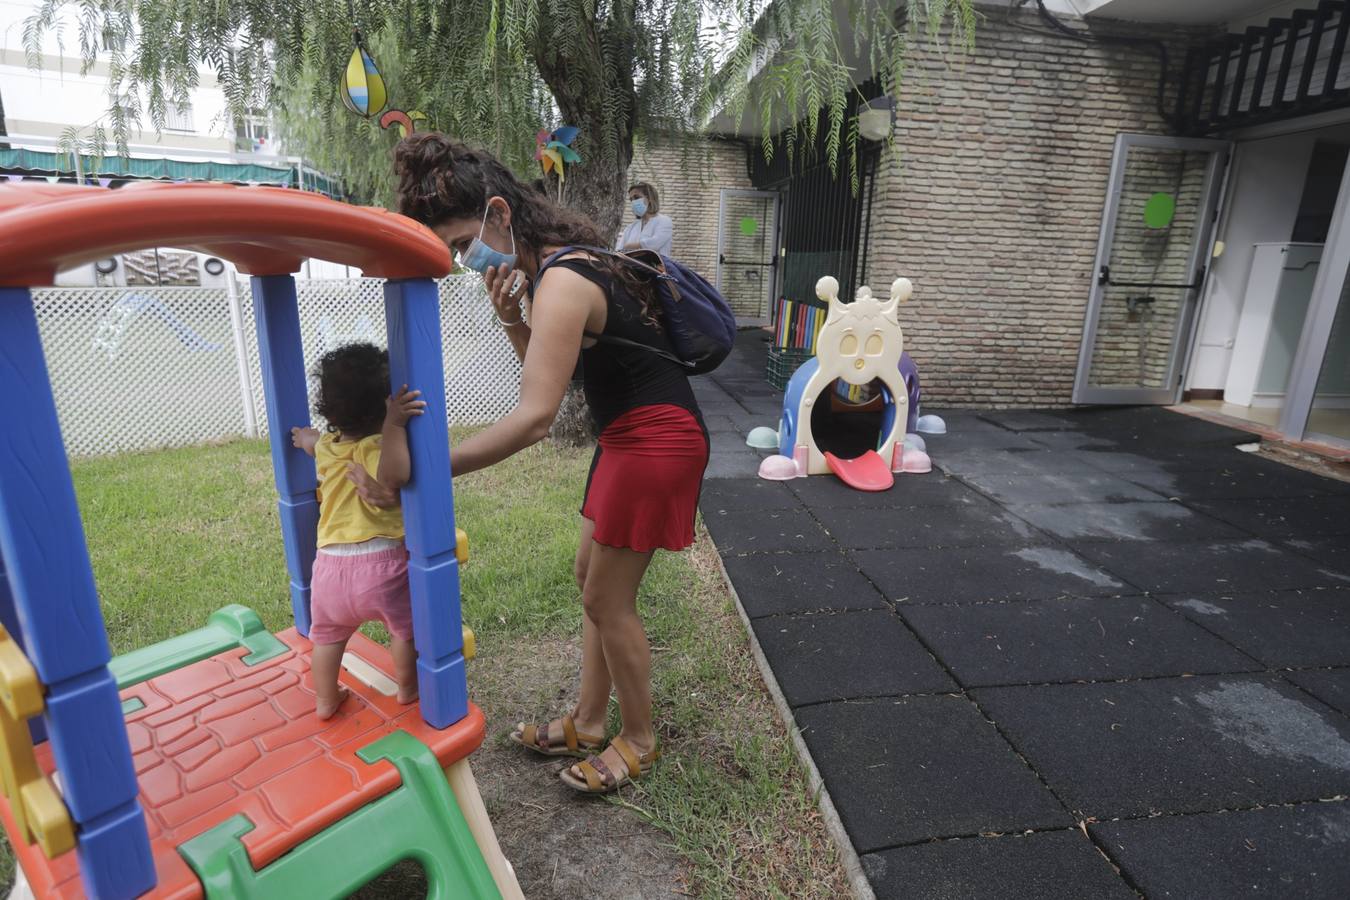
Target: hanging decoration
(364, 92)
(362, 89)
(554, 152)
(405, 121)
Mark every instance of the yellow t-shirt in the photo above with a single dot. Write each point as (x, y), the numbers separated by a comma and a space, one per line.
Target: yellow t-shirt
(344, 518)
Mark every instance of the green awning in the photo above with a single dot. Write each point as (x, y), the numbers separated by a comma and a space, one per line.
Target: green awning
(37, 162)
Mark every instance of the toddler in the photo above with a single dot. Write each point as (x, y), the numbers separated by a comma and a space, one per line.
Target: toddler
(361, 569)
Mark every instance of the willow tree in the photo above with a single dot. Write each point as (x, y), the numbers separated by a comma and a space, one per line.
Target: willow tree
(496, 71)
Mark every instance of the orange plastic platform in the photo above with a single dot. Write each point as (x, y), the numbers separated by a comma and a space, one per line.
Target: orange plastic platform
(218, 738)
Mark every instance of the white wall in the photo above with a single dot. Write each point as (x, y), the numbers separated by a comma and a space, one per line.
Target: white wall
(47, 100)
(1262, 206)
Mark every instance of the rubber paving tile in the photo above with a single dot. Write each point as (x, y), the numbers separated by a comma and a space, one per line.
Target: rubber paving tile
(1300, 518)
(1029, 419)
(1014, 462)
(724, 462)
(815, 657)
(969, 574)
(922, 767)
(1286, 629)
(1163, 567)
(929, 489)
(1070, 440)
(1284, 852)
(1047, 865)
(979, 436)
(1333, 552)
(768, 531)
(777, 583)
(1148, 459)
(1238, 480)
(1206, 743)
(1331, 686)
(1130, 521)
(747, 494)
(1100, 488)
(973, 525)
(1074, 639)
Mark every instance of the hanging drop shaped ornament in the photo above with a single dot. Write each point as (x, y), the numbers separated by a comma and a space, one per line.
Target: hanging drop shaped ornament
(362, 89)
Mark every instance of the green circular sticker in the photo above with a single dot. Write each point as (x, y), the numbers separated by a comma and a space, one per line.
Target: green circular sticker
(749, 225)
(1159, 210)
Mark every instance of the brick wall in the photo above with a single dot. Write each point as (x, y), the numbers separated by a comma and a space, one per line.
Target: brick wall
(994, 205)
(689, 177)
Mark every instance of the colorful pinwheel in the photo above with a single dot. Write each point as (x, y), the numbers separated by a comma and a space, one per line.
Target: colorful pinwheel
(362, 89)
(552, 150)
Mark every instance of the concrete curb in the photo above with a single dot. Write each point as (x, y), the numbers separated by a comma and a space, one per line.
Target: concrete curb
(861, 887)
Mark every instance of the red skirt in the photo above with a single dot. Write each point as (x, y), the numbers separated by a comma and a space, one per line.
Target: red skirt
(645, 479)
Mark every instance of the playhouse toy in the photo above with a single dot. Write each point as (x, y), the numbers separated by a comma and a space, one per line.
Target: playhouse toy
(859, 343)
(196, 767)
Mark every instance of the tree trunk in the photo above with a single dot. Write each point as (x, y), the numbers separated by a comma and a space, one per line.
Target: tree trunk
(581, 83)
(596, 187)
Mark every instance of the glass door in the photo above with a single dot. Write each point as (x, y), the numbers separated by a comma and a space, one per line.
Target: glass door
(1318, 404)
(1157, 227)
(747, 257)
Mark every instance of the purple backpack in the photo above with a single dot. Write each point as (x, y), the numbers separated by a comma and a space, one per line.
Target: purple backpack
(698, 320)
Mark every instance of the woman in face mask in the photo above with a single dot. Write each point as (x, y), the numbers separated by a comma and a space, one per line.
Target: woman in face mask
(650, 230)
(642, 491)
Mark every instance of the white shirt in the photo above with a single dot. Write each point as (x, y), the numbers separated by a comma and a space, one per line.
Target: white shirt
(655, 234)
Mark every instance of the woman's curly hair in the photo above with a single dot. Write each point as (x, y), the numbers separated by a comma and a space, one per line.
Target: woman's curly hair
(353, 386)
(440, 179)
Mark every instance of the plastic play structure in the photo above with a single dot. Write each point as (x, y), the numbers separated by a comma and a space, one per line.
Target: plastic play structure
(860, 343)
(196, 767)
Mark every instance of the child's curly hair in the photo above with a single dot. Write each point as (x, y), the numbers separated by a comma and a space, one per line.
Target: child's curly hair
(353, 385)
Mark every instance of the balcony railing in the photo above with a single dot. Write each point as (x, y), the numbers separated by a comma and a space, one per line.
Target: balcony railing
(1291, 66)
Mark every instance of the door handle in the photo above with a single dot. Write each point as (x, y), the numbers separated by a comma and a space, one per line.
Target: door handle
(1104, 278)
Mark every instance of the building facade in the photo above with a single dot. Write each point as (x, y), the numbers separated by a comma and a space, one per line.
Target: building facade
(1083, 213)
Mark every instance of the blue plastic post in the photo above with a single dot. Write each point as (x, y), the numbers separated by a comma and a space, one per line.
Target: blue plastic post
(412, 313)
(56, 606)
(284, 385)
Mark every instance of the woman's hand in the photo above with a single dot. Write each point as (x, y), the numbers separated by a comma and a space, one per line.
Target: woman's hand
(505, 290)
(370, 490)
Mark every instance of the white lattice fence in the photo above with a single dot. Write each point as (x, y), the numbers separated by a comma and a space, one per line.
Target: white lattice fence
(144, 367)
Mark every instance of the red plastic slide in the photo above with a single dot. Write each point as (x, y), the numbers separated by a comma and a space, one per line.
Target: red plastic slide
(868, 472)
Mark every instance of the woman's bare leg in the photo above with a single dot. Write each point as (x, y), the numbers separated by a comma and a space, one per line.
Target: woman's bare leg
(610, 596)
(593, 699)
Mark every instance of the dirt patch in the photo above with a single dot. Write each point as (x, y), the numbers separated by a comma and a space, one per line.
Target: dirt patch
(562, 845)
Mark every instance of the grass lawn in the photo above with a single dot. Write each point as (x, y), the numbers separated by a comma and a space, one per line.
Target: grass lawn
(176, 534)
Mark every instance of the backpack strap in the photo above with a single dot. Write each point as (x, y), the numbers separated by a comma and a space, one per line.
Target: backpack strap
(636, 263)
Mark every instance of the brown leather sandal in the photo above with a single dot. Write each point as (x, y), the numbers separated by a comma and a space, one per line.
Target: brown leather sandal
(575, 743)
(601, 779)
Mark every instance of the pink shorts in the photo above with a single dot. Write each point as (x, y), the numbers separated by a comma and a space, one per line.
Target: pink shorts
(348, 591)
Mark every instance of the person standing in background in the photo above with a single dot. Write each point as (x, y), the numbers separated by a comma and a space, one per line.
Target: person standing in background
(651, 230)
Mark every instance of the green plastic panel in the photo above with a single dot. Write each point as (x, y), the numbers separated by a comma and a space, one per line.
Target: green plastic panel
(229, 627)
(131, 705)
(419, 820)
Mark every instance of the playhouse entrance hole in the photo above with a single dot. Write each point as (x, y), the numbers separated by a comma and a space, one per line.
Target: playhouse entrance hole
(845, 429)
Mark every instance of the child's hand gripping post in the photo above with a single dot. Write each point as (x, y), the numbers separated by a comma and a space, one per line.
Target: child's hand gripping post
(395, 463)
(305, 438)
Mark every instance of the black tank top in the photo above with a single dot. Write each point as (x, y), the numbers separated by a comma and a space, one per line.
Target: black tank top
(617, 378)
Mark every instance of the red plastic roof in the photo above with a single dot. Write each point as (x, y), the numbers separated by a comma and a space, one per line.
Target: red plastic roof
(263, 230)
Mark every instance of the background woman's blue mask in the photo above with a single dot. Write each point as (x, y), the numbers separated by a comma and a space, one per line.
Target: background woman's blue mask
(640, 207)
(480, 257)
